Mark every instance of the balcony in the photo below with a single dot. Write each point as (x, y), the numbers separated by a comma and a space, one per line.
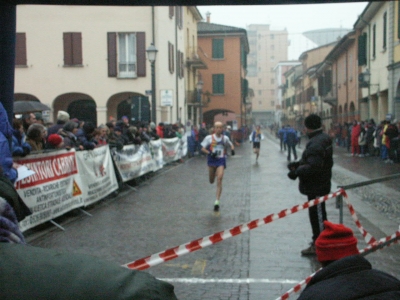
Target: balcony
(192, 98)
(193, 60)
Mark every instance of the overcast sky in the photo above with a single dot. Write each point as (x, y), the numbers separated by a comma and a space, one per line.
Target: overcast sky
(295, 18)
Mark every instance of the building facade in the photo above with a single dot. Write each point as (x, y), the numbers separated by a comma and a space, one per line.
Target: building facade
(224, 90)
(267, 48)
(91, 60)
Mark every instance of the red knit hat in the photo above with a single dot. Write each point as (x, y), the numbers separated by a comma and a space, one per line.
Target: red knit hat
(55, 139)
(335, 242)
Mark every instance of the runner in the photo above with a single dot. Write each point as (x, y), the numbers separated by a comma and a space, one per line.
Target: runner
(256, 139)
(214, 146)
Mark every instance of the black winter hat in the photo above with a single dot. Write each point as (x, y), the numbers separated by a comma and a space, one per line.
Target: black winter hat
(313, 121)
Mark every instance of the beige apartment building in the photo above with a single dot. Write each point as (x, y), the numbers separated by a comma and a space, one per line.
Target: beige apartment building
(91, 60)
(267, 48)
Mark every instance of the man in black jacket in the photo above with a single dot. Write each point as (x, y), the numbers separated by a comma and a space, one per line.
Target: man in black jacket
(345, 274)
(315, 172)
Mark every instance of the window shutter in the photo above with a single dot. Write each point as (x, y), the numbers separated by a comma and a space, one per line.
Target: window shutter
(374, 41)
(328, 81)
(217, 48)
(178, 63)
(384, 30)
(218, 83)
(112, 54)
(20, 49)
(320, 85)
(398, 20)
(182, 65)
(171, 12)
(171, 56)
(141, 54)
(362, 49)
(67, 40)
(76, 48)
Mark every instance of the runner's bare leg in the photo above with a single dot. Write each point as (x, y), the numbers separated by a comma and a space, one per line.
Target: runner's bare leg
(220, 176)
(211, 174)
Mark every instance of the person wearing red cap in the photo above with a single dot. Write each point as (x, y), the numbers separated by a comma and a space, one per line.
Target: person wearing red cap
(55, 141)
(345, 274)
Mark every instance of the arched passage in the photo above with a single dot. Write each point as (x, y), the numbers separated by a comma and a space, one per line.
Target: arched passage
(133, 105)
(83, 110)
(78, 105)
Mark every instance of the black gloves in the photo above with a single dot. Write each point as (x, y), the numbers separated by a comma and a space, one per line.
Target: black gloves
(213, 154)
(292, 175)
(233, 152)
(293, 165)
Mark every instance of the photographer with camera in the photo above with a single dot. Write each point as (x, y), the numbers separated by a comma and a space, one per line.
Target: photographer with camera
(315, 172)
(214, 146)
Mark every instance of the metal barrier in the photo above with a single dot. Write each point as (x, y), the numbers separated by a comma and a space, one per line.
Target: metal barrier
(339, 199)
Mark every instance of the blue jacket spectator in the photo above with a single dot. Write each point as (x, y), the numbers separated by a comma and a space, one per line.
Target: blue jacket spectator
(19, 147)
(6, 160)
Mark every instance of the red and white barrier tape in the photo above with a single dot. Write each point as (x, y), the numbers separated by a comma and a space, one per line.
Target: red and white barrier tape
(297, 288)
(172, 253)
(369, 239)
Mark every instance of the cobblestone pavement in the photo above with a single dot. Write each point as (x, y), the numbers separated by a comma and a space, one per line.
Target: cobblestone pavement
(175, 207)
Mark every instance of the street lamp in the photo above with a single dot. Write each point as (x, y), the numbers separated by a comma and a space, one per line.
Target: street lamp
(199, 92)
(151, 55)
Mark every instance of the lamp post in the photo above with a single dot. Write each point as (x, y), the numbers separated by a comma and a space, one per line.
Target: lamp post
(199, 92)
(151, 55)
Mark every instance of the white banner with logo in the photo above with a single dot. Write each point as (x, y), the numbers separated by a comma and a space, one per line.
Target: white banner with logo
(53, 190)
(96, 174)
(171, 149)
(157, 152)
(133, 161)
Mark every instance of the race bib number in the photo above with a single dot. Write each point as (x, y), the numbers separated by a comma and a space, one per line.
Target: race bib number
(219, 150)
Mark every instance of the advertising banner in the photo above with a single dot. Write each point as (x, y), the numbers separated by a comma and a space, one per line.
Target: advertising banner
(133, 161)
(157, 152)
(97, 175)
(171, 149)
(53, 190)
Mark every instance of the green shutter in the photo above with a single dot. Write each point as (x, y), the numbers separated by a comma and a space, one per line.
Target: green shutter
(218, 48)
(218, 84)
(362, 49)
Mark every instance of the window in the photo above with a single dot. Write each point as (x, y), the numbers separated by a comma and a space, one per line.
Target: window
(384, 30)
(218, 85)
(272, 103)
(259, 80)
(72, 48)
(126, 54)
(259, 93)
(171, 11)
(218, 48)
(171, 61)
(20, 49)
(272, 58)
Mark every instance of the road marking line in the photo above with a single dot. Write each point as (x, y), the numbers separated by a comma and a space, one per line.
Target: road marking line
(229, 280)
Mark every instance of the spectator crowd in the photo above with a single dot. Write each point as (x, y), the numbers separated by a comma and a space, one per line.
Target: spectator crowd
(366, 138)
(30, 134)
